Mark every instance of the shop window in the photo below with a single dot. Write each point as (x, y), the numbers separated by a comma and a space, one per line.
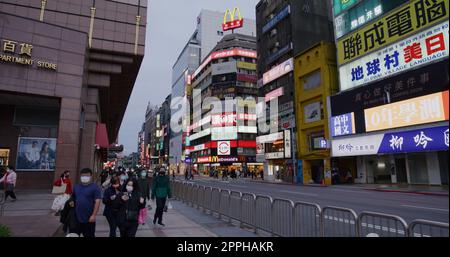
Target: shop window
(43, 117)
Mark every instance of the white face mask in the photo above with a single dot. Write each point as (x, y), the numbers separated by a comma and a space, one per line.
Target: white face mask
(85, 179)
(129, 189)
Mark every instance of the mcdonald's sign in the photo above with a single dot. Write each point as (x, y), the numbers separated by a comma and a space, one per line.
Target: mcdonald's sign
(233, 23)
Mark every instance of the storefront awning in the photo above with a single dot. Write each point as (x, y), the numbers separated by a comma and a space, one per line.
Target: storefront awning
(101, 136)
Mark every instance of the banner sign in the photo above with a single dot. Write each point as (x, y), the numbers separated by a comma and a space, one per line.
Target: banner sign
(420, 110)
(287, 144)
(246, 65)
(278, 71)
(397, 24)
(270, 138)
(422, 48)
(224, 68)
(342, 5)
(419, 140)
(274, 94)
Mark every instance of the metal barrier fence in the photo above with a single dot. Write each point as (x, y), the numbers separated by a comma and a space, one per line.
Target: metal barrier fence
(339, 222)
(426, 228)
(301, 219)
(307, 220)
(263, 213)
(282, 217)
(378, 224)
(224, 203)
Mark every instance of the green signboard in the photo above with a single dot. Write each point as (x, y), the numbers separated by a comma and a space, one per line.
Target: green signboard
(342, 5)
(363, 13)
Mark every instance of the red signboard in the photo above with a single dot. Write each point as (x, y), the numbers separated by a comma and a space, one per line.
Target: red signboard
(233, 23)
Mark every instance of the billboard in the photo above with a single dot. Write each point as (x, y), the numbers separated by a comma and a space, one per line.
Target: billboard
(396, 25)
(343, 125)
(427, 80)
(233, 23)
(274, 94)
(419, 110)
(224, 68)
(428, 46)
(246, 65)
(341, 5)
(36, 154)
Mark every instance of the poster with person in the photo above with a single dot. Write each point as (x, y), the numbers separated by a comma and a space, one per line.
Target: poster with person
(36, 154)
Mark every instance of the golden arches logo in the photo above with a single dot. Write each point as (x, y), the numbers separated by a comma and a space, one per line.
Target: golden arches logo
(233, 23)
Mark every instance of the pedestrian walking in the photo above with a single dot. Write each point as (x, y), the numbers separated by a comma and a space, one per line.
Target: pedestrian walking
(64, 190)
(160, 191)
(131, 202)
(9, 183)
(144, 186)
(111, 200)
(86, 199)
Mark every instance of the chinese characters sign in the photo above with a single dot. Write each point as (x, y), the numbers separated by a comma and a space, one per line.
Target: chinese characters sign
(421, 49)
(420, 110)
(343, 125)
(278, 71)
(429, 139)
(398, 24)
(21, 53)
(421, 140)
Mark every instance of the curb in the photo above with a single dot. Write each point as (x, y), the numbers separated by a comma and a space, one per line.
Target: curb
(407, 192)
(286, 183)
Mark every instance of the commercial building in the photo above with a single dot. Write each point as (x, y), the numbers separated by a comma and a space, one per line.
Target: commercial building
(205, 37)
(220, 136)
(285, 29)
(315, 80)
(391, 119)
(68, 69)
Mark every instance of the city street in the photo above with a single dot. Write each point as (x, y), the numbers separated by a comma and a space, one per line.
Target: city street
(406, 205)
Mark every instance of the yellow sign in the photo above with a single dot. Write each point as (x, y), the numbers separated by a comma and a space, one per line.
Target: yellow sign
(246, 65)
(232, 15)
(420, 110)
(9, 47)
(233, 23)
(397, 24)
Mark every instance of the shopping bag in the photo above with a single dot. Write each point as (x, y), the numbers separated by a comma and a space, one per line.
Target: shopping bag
(57, 190)
(142, 216)
(59, 202)
(168, 206)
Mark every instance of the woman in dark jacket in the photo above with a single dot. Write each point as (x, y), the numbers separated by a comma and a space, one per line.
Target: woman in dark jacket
(131, 202)
(160, 191)
(111, 200)
(144, 184)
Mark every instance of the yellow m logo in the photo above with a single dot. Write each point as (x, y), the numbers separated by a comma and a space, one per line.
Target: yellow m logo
(232, 15)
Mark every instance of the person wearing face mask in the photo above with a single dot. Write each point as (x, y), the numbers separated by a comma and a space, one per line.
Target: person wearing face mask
(123, 178)
(131, 202)
(144, 186)
(160, 191)
(9, 183)
(86, 199)
(111, 200)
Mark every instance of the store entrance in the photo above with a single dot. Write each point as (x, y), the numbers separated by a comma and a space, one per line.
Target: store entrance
(317, 171)
(400, 166)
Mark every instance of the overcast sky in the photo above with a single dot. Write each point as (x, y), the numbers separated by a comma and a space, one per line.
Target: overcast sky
(170, 23)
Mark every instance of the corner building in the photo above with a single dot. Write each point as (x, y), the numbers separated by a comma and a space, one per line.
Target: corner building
(68, 69)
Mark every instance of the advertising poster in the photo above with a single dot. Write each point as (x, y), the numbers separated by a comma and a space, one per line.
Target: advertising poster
(36, 154)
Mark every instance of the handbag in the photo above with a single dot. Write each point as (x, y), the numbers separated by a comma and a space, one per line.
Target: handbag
(57, 190)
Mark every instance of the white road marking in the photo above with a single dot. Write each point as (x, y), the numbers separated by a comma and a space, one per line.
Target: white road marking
(426, 208)
(298, 193)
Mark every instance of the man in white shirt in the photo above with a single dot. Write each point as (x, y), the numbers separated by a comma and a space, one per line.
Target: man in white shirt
(32, 154)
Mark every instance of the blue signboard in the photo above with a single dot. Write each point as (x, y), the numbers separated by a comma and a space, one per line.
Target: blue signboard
(428, 139)
(299, 172)
(281, 15)
(342, 125)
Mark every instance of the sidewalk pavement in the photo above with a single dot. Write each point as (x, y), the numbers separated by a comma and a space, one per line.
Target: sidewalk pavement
(31, 216)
